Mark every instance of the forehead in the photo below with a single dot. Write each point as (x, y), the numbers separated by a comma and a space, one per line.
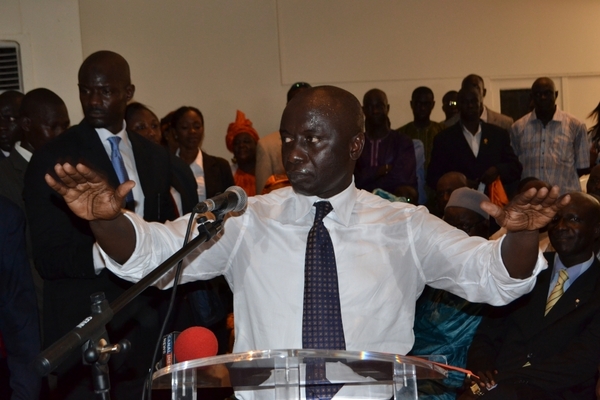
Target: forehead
(543, 85)
(469, 94)
(423, 97)
(473, 81)
(102, 75)
(460, 213)
(375, 97)
(311, 113)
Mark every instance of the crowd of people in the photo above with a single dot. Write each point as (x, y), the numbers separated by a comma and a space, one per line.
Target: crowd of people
(105, 201)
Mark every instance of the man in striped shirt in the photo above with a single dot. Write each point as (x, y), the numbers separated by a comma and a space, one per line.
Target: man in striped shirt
(551, 144)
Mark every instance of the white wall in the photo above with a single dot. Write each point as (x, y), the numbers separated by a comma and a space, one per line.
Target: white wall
(50, 38)
(243, 54)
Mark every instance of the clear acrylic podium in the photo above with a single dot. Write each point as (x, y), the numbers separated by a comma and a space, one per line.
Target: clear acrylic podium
(279, 374)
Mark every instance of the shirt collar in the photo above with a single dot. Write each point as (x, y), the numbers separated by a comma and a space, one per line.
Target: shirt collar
(343, 204)
(104, 134)
(575, 271)
(558, 115)
(26, 154)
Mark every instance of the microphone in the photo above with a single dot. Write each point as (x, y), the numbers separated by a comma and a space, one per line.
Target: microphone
(233, 199)
(195, 342)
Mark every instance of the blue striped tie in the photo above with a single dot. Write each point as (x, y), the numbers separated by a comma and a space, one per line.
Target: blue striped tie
(119, 166)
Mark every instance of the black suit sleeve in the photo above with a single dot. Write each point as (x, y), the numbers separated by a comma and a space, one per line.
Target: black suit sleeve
(438, 161)
(509, 167)
(62, 242)
(18, 307)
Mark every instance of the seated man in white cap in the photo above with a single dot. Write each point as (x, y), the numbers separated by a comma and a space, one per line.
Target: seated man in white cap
(445, 323)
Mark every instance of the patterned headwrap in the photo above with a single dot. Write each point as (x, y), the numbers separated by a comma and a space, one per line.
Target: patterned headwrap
(241, 125)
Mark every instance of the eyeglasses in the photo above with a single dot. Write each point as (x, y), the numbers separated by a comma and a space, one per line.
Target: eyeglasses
(9, 119)
(452, 103)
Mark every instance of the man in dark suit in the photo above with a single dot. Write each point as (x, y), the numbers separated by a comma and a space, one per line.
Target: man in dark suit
(63, 244)
(481, 151)
(19, 328)
(545, 345)
(43, 115)
(486, 114)
(10, 101)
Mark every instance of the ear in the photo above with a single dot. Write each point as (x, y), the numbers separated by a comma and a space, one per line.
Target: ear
(356, 146)
(412, 106)
(484, 92)
(25, 123)
(129, 92)
(556, 94)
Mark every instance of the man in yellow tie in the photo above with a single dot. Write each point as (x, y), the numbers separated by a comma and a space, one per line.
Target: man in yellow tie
(546, 344)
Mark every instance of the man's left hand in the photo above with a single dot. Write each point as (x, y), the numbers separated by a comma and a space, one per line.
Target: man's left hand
(528, 211)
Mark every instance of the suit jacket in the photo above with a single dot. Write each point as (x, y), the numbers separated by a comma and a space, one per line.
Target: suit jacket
(12, 173)
(494, 118)
(562, 347)
(63, 243)
(501, 120)
(451, 152)
(184, 182)
(18, 309)
(217, 175)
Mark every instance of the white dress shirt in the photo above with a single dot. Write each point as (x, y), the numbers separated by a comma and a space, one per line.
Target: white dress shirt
(473, 140)
(129, 161)
(197, 168)
(385, 252)
(26, 154)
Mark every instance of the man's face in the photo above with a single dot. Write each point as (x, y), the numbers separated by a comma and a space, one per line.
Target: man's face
(450, 105)
(47, 125)
(376, 108)
(104, 96)
(544, 95)
(9, 127)
(318, 151)
(470, 105)
(445, 186)
(422, 105)
(475, 83)
(574, 228)
(467, 221)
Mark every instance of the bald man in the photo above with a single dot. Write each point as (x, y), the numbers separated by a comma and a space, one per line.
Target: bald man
(383, 250)
(551, 144)
(63, 243)
(10, 101)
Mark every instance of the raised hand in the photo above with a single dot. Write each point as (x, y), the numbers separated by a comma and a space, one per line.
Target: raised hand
(528, 211)
(86, 193)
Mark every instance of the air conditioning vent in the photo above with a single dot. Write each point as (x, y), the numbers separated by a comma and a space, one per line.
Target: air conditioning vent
(10, 67)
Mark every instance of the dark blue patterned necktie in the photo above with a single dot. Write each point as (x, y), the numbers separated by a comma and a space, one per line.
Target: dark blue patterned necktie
(117, 161)
(322, 319)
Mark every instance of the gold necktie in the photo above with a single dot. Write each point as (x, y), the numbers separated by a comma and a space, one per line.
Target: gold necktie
(557, 291)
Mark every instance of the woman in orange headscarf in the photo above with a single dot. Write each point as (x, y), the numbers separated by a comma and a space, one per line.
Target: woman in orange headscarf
(241, 140)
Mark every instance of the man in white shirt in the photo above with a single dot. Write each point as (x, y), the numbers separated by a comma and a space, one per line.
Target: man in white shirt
(385, 252)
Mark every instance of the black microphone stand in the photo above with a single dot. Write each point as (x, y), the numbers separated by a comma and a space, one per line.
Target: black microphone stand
(90, 335)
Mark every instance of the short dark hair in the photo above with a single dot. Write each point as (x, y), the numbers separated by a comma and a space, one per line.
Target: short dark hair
(181, 111)
(421, 90)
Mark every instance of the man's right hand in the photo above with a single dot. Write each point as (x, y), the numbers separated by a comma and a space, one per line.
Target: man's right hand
(86, 193)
